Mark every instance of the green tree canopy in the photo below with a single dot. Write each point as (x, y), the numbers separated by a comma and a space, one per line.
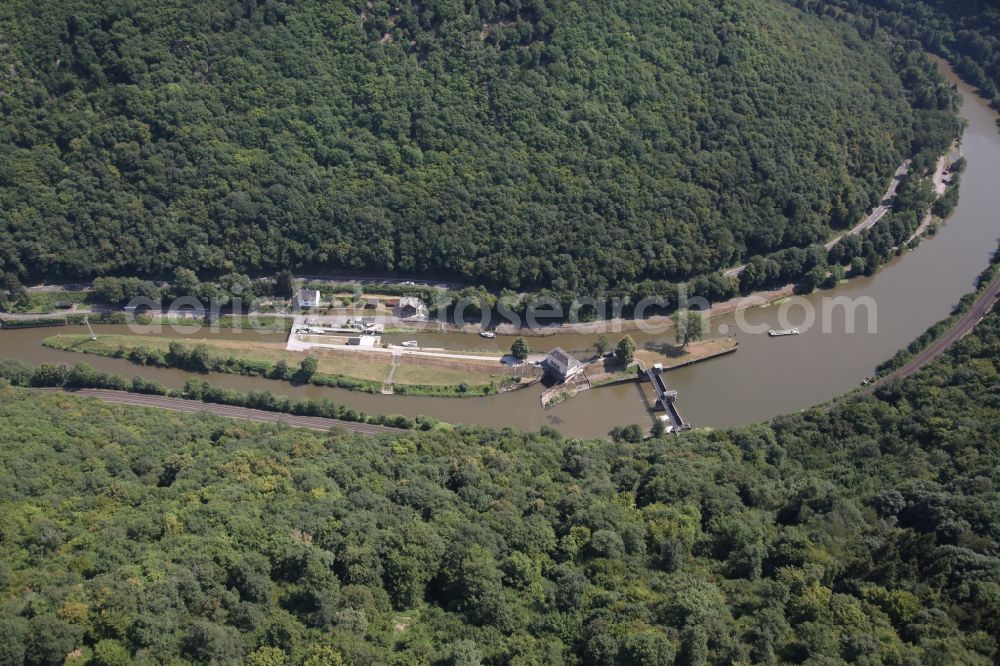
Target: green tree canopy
(519, 349)
(865, 530)
(625, 350)
(689, 325)
(575, 146)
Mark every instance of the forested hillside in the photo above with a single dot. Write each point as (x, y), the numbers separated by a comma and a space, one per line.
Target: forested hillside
(518, 144)
(869, 534)
(967, 32)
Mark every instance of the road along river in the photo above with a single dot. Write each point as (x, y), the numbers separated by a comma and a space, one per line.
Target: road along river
(768, 376)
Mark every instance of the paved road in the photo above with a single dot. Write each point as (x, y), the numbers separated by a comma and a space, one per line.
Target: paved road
(966, 323)
(58, 314)
(71, 286)
(884, 207)
(381, 280)
(241, 413)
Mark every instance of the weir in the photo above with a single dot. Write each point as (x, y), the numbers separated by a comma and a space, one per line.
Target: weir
(666, 399)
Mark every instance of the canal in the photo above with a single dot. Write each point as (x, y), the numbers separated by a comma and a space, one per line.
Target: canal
(769, 376)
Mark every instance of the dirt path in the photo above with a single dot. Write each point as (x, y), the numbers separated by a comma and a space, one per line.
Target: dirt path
(387, 385)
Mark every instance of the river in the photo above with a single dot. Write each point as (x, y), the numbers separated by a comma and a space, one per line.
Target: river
(767, 377)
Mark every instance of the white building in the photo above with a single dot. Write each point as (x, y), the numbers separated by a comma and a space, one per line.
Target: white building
(561, 365)
(307, 298)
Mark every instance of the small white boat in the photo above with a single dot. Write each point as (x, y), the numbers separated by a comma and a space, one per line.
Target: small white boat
(777, 333)
(489, 335)
(411, 343)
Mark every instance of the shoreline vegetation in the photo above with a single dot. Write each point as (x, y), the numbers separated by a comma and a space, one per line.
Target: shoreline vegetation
(843, 259)
(81, 375)
(351, 370)
(922, 200)
(262, 321)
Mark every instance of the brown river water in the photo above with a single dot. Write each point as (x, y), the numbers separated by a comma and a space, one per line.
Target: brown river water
(767, 377)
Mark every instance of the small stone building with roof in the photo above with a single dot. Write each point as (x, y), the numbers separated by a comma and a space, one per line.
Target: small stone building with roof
(559, 364)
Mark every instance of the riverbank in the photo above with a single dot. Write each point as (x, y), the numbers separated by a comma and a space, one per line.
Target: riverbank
(665, 323)
(766, 378)
(356, 370)
(941, 181)
(175, 404)
(256, 322)
(381, 312)
(196, 395)
(936, 339)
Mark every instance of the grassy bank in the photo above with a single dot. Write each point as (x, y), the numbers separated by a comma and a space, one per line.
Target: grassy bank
(357, 371)
(81, 375)
(226, 322)
(33, 323)
(256, 322)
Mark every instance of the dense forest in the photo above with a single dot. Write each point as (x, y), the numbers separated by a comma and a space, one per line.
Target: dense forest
(966, 32)
(867, 533)
(518, 144)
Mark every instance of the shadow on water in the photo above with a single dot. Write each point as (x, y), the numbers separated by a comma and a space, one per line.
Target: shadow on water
(650, 405)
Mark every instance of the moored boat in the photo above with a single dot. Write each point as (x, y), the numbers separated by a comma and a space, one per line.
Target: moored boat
(489, 335)
(777, 333)
(411, 343)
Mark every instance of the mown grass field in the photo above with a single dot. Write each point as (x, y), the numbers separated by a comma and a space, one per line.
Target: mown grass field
(366, 366)
(411, 372)
(374, 369)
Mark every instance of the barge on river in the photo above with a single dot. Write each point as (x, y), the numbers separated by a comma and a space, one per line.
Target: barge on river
(777, 333)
